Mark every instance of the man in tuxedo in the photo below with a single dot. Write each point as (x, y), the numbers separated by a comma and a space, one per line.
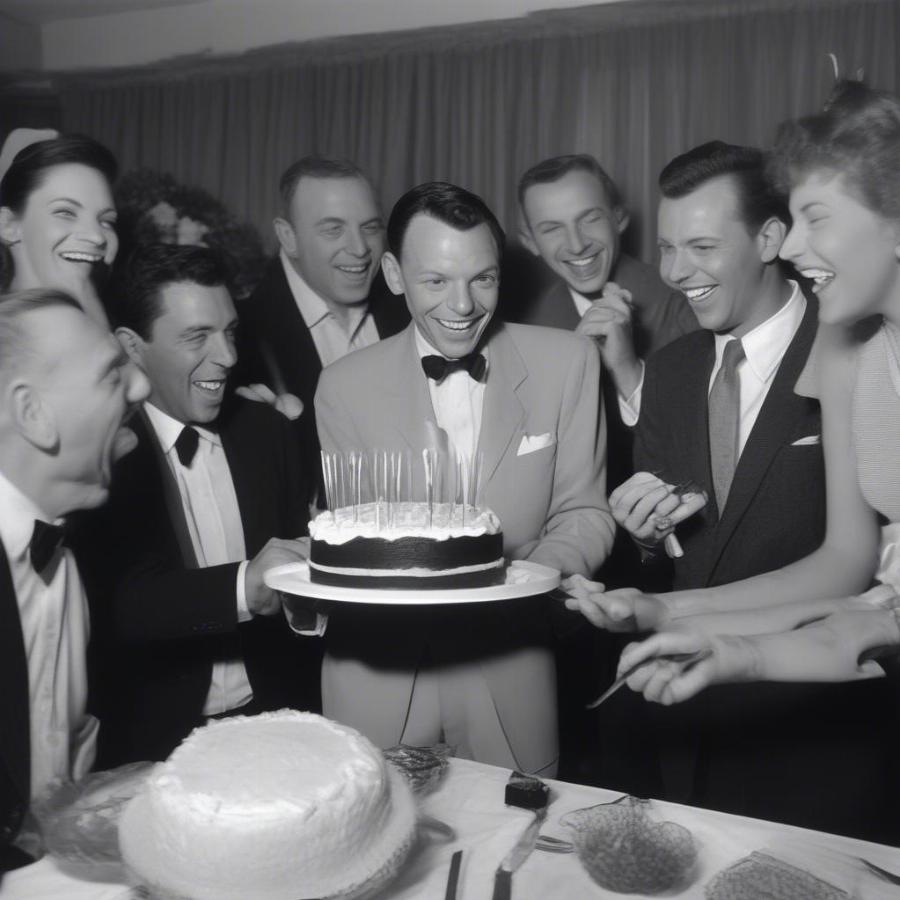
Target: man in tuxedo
(66, 388)
(527, 400)
(212, 497)
(719, 414)
(323, 296)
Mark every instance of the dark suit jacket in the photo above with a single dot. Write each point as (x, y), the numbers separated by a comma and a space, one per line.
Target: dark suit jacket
(15, 750)
(277, 348)
(800, 753)
(775, 513)
(160, 621)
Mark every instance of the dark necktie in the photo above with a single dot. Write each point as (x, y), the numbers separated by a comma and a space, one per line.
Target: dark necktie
(46, 539)
(438, 368)
(186, 445)
(724, 421)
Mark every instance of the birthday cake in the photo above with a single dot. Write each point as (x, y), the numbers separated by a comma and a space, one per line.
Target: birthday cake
(406, 545)
(280, 806)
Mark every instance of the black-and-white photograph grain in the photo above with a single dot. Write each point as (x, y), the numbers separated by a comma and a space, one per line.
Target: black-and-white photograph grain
(446, 449)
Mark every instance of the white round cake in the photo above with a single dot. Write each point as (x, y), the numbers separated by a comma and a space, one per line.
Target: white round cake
(280, 806)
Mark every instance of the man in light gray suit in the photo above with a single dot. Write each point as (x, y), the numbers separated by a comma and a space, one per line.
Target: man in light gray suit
(479, 676)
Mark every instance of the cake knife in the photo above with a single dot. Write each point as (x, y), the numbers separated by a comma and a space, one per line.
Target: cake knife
(519, 853)
(690, 659)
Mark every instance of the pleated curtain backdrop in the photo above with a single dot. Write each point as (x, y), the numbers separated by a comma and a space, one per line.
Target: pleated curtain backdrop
(633, 83)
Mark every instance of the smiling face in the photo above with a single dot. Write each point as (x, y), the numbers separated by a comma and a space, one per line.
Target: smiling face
(66, 227)
(334, 236)
(190, 351)
(91, 387)
(451, 280)
(851, 253)
(708, 253)
(573, 227)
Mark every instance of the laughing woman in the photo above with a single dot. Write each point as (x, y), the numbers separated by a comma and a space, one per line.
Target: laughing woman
(842, 169)
(57, 218)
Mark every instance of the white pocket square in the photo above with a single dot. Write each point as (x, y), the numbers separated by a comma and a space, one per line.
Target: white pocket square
(808, 441)
(532, 442)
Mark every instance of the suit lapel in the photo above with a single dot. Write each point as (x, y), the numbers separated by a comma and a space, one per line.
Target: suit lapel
(696, 417)
(294, 339)
(15, 739)
(246, 475)
(503, 412)
(780, 411)
(412, 407)
(557, 309)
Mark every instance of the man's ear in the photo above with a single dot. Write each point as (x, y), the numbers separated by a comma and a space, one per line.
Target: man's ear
(623, 219)
(10, 229)
(286, 235)
(770, 237)
(32, 416)
(390, 266)
(132, 343)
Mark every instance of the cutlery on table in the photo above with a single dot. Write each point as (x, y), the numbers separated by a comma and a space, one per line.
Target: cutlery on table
(690, 660)
(519, 853)
(453, 876)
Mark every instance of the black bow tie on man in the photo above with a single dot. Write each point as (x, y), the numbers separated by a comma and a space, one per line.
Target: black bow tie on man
(438, 368)
(46, 539)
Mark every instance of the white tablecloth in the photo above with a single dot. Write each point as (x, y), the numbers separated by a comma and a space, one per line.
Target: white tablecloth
(471, 801)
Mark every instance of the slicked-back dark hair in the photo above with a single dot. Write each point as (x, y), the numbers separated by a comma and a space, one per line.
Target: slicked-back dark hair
(452, 205)
(745, 166)
(550, 170)
(136, 294)
(315, 167)
(857, 135)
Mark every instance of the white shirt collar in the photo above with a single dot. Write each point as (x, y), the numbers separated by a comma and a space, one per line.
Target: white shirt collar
(17, 516)
(766, 344)
(312, 307)
(582, 304)
(167, 429)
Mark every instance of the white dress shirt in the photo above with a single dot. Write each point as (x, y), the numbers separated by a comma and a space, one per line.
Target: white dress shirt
(55, 627)
(768, 343)
(217, 535)
(331, 339)
(764, 348)
(458, 402)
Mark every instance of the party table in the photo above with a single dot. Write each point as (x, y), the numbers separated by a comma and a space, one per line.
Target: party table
(470, 799)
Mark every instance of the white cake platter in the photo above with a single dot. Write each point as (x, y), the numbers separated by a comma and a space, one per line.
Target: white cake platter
(523, 579)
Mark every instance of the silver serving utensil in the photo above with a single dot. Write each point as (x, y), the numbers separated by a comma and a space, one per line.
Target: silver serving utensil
(553, 844)
(514, 859)
(691, 659)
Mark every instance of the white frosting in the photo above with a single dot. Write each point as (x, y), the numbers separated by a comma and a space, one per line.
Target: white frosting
(414, 572)
(404, 519)
(277, 806)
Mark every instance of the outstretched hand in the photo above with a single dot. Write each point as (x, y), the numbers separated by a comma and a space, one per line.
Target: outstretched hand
(623, 609)
(832, 649)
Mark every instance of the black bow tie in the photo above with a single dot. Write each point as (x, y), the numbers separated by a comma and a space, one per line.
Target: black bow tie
(438, 368)
(186, 445)
(46, 539)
